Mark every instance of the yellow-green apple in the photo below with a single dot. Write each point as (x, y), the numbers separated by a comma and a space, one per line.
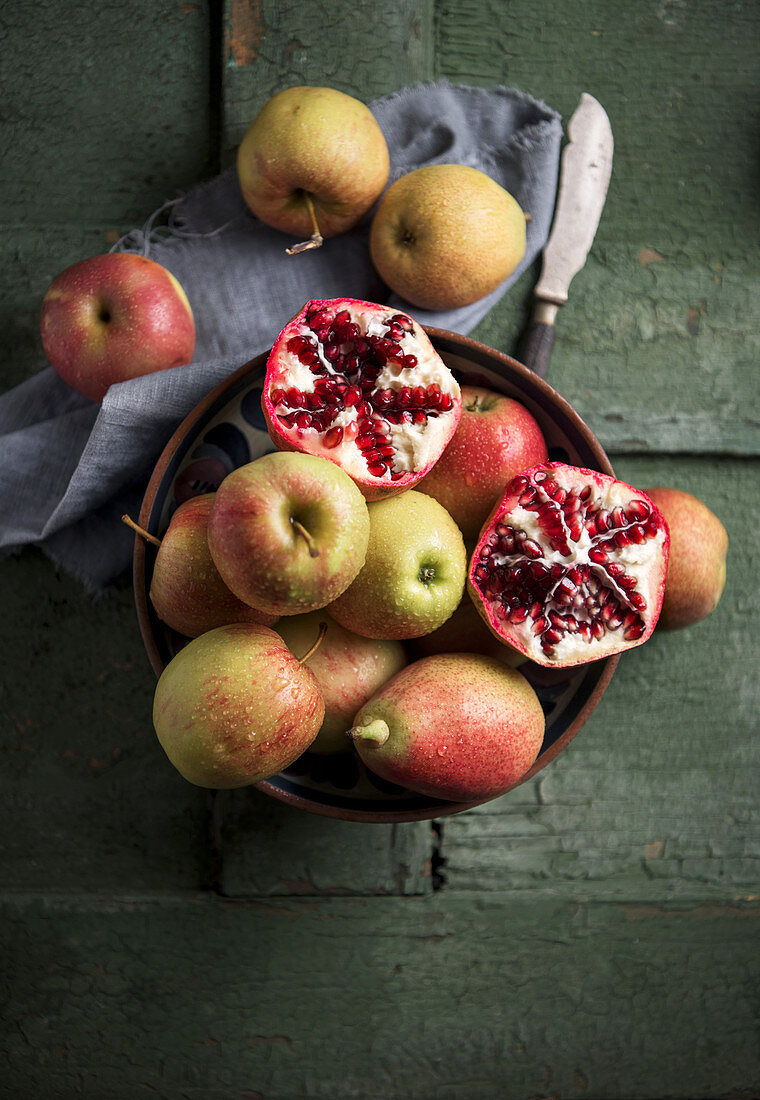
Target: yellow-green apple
(458, 726)
(349, 669)
(446, 235)
(495, 439)
(288, 532)
(114, 317)
(414, 573)
(313, 161)
(696, 573)
(185, 589)
(235, 706)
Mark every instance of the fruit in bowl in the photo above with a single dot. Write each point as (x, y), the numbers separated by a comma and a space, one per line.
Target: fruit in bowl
(458, 726)
(361, 385)
(114, 317)
(414, 573)
(288, 532)
(313, 161)
(570, 566)
(496, 438)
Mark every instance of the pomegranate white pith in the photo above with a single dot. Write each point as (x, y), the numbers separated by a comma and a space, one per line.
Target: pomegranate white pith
(362, 385)
(570, 566)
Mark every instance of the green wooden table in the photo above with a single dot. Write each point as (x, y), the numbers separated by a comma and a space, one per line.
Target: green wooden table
(593, 934)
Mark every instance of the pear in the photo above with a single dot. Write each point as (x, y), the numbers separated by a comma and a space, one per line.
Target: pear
(186, 589)
(349, 670)
(235, 706)
(457, 726)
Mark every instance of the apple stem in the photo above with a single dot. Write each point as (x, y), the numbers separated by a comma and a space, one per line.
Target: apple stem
(317, 644)
(377, 731)
(140, 530)
(299, 527)
(315, 241)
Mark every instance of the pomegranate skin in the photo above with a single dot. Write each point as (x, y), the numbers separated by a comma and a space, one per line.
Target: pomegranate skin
(570, 566)
(458, 726)
(696, 573)
(495, 439)
(403, 443)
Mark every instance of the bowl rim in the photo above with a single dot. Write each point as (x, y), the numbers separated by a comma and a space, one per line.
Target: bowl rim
(439, 337)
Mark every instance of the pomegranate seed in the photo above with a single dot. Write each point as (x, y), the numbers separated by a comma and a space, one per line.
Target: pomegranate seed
(518, 615)
(365, 442)
(637, 600)
(295, 398)
(377, 469)
(303, 420)
(408, 361)
(333, 437)
(602, 522)
(419, 417)
(403, 321)
(637, 510)
(352, 396)
(617, 516)
(387, 450)
(633, 632)
(597, 629)
(551, 637)
(404, 397)
(445, 403)
(598, 555)
(279, 397)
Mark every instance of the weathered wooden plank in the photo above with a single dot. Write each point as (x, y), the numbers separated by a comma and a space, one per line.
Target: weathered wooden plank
(657, 345)
(657, 794)
(364, 51)
(452, 996)
(269, 849)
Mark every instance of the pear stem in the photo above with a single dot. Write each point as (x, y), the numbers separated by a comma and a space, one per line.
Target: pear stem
(299, 527)
(316, 239)
(377, 731)
(315, 647)
(140, 530)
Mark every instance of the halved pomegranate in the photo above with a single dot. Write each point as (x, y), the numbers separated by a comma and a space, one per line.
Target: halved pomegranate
(570, 565)
(362, 385)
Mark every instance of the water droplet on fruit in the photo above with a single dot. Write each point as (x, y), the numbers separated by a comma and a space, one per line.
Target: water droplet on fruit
(442, 750)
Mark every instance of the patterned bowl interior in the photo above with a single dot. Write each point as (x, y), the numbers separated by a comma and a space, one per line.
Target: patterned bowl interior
(228, 431)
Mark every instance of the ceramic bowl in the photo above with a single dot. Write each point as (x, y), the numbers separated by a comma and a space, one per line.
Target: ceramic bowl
(224, 431)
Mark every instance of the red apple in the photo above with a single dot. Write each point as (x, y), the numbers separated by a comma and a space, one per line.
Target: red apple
(496, 438)
(114, 317)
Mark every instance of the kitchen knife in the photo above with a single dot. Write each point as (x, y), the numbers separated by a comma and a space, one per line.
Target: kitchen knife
(584, 178)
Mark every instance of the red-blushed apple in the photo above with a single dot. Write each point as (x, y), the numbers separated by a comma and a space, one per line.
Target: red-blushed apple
(495, 439)
(312, 162)
(349, 669)
(235, 706)
(458, 726)
(413, 577)
(186, 590)
(288, 532)
(114, 317)
(445, 235)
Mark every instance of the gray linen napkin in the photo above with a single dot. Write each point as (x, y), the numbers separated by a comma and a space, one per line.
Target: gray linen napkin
(71, 468)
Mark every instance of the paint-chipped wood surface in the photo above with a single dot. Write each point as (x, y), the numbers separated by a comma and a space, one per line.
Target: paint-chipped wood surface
(595, 933)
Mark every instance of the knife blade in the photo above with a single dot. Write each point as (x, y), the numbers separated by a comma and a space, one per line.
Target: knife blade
(585, 171)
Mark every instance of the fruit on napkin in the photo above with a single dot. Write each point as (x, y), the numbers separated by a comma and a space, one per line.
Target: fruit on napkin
(495, 439)
(570, 566)
(288, 532)
(114, 317)
(235, 707)
(361, 385)
(446, 235)
(414, 573)
(458, 726)
(186, 589)
(697, 564)
(349, 669)
(312, 162)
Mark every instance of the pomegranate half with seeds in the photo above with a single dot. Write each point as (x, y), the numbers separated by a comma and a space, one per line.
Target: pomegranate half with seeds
(570, 565)
(362, 385)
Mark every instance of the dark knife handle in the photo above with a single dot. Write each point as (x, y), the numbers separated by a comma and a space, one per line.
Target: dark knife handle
(536, 347)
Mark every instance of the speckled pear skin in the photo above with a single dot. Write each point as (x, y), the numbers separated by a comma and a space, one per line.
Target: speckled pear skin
(696, 573)
(414, 573)
(462, 727)
(254, 539)
(235, 707)
(349, 670)
(186, 590)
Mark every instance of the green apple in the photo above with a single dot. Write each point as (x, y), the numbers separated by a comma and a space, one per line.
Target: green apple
(414, 573)
(349, 669)
(235, 706)
(288, 532)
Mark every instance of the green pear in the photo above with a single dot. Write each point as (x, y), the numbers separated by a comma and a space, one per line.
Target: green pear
(349, 669)
(458, 726)
(235, 706)
(414, 573)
